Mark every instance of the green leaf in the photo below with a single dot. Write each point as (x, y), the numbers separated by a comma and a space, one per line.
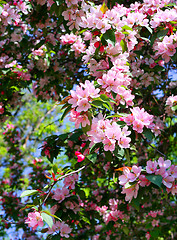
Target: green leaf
(108, 106)
(130, 184)
(148, 134)
(95, 146)
(121, 123)
(110, 62)
(74, 137)
(155, 233)
(123, 44)
(135, 203)
(116, 152)
(174, 57)
(28, 193)
(154, 36)
(85, 219)
(86, 128)
(114, 94)
(63, 136)
(55, 168)
(110, 37)
(48, 219)
(146, 39)
(97, 104)
(87, 191)
(162, 33)
(156, 179)
(92, 157)
(149, 29)
(56, 237)
(108, 156)
(104, 97)
(66, 112)
(174, 108)
(125, 27)
(126, 230)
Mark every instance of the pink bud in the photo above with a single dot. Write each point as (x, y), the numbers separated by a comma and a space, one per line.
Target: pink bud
(83, 145)
(80, 157)
(77, 153)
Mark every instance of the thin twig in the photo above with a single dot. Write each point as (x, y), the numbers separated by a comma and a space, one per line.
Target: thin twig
(155, 148)
(60, 178)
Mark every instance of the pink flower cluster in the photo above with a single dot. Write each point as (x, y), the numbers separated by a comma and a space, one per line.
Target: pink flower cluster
(64, 229)
(111, 213)
(69, 182)
(154, 214)
(80, 99)
(117, 81)
(109, 133)
(83, 94)
(166, 48)
(132, 179)
(76, 42)
(139, 118)
(34, 220)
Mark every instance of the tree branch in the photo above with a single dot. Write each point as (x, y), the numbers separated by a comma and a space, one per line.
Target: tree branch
(60, 178)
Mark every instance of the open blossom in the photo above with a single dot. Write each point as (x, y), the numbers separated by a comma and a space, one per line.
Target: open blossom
(61, 194)
(126, 176)
(151, 167)
(166, 164)
(70, 181)
(171, 101)
(131, 192)
(34, 220)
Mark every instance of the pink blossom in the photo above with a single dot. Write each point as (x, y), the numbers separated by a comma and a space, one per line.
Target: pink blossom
(1, 108)
(174, 189)
(148, 236)
(70, 181)
(173, 171)
(109, 144)
(34, 220)
(167, 181)
(60, 194)
(126, 176)
(136, 173)
(166, 164)
(64, 229)
(144, 181)
(155, 222)
(131, 192)
(151, 167)
(124, 142)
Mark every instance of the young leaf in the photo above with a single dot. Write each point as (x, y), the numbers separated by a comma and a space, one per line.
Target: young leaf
(125, 27)
(47, 219)
(28, 193)
(123, 44)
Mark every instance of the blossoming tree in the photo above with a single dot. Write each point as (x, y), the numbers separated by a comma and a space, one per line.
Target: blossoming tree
(110, 68)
